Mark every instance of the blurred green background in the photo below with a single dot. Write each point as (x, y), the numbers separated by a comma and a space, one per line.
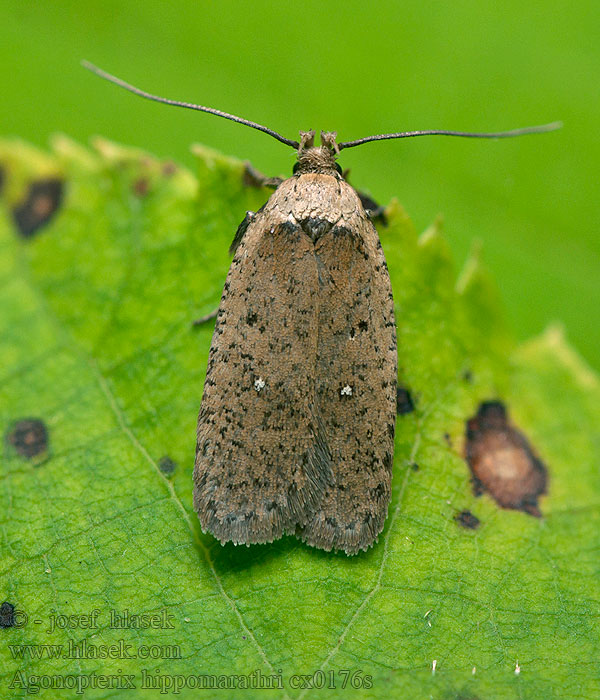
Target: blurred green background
(358, 68)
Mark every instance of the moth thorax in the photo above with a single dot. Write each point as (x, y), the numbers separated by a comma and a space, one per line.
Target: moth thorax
(318, 159)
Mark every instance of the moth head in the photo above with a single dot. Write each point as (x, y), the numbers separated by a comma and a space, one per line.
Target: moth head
(317, 159)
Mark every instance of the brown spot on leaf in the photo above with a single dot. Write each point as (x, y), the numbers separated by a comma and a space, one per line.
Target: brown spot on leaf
(167, 465)
(467, 520)
(39, 206)
(502, 461)
(7, 615)
(169, 168)
(404, 401)
(140, 187)
(29, 437)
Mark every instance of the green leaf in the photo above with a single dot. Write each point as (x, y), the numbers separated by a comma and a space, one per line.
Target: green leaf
(96, 342)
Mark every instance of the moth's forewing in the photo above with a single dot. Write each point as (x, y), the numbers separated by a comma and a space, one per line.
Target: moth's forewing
(356, 383)
(262, 462)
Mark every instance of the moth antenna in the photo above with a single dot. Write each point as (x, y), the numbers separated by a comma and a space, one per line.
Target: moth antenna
(188, 105)
(541, 129)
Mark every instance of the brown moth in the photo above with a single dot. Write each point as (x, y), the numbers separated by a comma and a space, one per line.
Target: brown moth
(296, 426)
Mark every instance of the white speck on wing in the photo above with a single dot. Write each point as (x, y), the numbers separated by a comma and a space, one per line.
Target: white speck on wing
(259, 384)
(346, 391)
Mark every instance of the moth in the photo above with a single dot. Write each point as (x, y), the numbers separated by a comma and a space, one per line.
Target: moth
(296, 426)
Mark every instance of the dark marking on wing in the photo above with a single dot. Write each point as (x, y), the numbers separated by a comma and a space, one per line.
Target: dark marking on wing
(315, 227)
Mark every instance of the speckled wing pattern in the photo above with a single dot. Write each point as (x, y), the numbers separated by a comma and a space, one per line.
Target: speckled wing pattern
(356, 388)
(296, 426)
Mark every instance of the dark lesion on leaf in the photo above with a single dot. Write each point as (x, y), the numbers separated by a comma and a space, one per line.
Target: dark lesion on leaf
(140, 186)
(167, 465)
(168, 168)
(29, 438)
(7, 615)
(43, 199)
(502, 462)
(467, 520)
(404, 401)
